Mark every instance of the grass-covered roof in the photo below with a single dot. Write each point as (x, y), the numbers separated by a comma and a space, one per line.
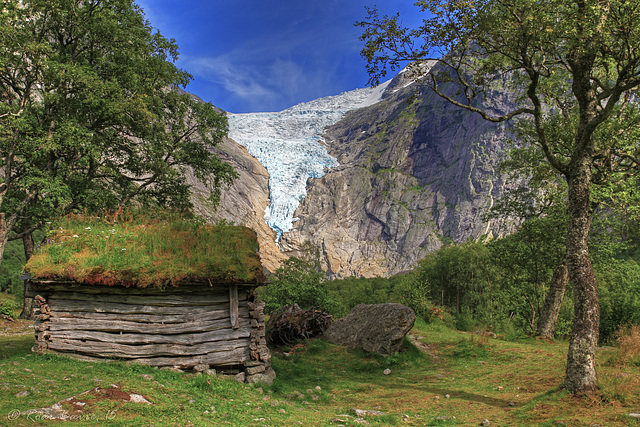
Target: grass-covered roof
(137, 250)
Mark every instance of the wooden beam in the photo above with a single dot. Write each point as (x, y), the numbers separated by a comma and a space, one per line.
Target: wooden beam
(233, 306)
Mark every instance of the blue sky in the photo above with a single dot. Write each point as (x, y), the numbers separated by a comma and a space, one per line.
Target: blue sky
(267, 55)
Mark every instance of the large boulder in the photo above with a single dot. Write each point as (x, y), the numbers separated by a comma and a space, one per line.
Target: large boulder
(378, 328)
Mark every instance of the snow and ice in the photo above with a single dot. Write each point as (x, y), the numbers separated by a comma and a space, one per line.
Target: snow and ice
(289, 144)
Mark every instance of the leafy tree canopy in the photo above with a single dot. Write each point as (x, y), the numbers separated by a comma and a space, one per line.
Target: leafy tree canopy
(574, 66)
(91, 115)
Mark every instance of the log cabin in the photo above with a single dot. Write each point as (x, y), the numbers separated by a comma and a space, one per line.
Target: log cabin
(198, 318)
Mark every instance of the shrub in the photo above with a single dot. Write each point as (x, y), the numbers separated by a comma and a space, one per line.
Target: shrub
(297, 282)
(628, 339)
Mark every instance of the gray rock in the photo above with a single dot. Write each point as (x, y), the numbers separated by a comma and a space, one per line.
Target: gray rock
(265, 377)
(366, 412)
(485, 422)
(378, 328)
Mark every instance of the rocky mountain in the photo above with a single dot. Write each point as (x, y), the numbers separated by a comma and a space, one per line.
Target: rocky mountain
(402, 174)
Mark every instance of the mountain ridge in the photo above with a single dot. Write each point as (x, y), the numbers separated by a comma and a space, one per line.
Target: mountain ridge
(412, 172)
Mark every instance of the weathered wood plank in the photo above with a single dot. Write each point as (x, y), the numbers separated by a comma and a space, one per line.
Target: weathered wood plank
(220, 359)
(151, 300)
(188, 316)
(148, 350)
(68, 324)
(233, 306)
(111, 307)
(139, 339)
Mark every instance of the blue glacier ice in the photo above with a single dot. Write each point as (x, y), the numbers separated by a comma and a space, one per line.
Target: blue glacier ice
(289, 145)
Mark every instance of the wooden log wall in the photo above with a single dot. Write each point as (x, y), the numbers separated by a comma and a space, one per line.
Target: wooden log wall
(192, 326)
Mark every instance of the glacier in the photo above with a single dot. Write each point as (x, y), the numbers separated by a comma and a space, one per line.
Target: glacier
(289, 145)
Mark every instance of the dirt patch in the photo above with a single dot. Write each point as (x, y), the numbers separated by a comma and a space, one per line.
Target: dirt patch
(431, 350)
(78, 407)
(15, 327)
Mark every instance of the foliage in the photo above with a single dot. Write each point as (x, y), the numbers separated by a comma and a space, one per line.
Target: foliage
(619, 286)
(91, 114)
(296, 281)
(145, 249)
(350, 291)
(9, 306)
(11, 267)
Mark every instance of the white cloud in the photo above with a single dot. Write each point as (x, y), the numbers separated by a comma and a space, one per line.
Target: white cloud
(268, 75)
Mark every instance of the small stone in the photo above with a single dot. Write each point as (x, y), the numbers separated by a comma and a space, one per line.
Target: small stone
(387, 371)
(210, 372)
(512, 403)
(295, 393)
(447, 396)
(24, 393)
(136, 398)
(485, 422)
(365, 412)
(240, 377)
(201, 368)
(632, 415)
(405, 418)
(255, 370)
(314, 397)
(147, 377)
(500, 387)
(318, 388)
(442, 418)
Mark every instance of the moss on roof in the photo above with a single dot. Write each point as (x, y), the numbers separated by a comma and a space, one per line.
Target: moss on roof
(146, 252)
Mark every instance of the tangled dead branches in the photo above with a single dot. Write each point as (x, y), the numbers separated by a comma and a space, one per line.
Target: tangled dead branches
(290, 323)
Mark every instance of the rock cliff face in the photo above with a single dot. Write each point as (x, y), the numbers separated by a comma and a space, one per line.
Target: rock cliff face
(244, 202)
(412, 173)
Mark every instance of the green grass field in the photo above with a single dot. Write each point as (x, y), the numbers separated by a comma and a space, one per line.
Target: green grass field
(446, 378)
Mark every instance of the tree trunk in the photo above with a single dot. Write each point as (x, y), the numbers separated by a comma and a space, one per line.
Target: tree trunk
(553, 301)
(27, 307)
(581, 370)
(4, 235)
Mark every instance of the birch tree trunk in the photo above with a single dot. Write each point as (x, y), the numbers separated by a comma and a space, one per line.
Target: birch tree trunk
(553, 302)
(581, 369)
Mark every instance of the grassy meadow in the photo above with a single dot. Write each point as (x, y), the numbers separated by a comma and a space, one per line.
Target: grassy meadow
(441, 377)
